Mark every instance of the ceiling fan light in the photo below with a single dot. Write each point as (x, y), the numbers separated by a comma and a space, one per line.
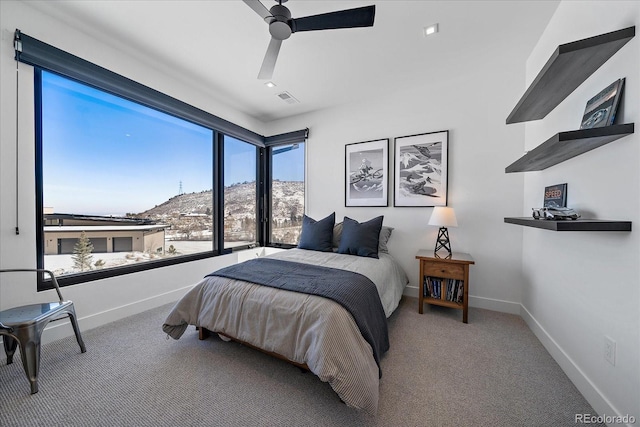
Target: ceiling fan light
(280, 30)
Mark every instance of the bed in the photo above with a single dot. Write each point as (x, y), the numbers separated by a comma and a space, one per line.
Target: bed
(310, 331)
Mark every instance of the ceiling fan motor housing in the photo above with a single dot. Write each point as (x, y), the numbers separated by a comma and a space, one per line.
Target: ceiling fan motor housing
(279, 26)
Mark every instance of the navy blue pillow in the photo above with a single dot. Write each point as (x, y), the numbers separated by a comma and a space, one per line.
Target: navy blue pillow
(360, 239)
(317, 235)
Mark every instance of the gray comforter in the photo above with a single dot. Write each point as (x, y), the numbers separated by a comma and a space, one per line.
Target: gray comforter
(306, 329)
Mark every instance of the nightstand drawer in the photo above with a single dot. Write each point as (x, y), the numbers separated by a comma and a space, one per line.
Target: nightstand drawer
(451, 271)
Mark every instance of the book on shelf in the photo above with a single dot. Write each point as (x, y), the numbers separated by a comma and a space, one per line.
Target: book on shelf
(453, 289)
(616, 103)
(456, 290)
(601, 109)
(428, 287)
(555, 196)
(460, 296)
(450, 286)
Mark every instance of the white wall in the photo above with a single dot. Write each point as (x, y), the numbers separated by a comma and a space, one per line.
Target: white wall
(473, 106)
(580, 287)
(102, 301)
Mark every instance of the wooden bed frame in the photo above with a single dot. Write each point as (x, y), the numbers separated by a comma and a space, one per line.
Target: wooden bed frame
(204, 333)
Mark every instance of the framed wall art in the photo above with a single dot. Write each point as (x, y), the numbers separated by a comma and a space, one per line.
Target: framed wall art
(420, 169)
(367, 173)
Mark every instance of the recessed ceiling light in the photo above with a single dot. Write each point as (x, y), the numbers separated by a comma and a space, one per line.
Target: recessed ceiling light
(431, 29)
(270, 84)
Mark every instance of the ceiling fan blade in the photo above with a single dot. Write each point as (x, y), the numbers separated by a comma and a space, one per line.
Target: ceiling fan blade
(258, 8)
(269, 62)
(350, 18)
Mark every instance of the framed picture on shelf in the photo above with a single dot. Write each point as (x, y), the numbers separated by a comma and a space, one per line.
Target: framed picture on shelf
(367, 173)
(420, 174)
(601, 109)
(555, 196)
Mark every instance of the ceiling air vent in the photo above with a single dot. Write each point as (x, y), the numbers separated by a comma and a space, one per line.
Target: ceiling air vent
(288, 98)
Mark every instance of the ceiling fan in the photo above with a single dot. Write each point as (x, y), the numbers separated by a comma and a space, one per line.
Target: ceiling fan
(281, 26)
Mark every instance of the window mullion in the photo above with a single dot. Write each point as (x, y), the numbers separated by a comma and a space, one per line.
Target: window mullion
(264, 202)
(218, 192)
(40, 242)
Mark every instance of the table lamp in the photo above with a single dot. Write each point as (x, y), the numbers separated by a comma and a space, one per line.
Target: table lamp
(443, 218)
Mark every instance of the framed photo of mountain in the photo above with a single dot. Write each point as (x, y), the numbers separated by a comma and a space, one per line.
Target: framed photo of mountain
(555, 196)
(601, 109)
(420, 169)
(367, 173)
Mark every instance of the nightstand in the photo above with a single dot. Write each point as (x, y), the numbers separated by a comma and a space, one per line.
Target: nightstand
(444, 280)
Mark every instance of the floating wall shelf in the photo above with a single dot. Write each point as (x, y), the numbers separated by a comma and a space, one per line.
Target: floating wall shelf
(566, 145)
(572, 225)
(569, 66)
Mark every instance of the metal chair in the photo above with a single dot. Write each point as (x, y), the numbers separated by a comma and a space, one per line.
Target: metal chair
(5, 328)
(24, 325)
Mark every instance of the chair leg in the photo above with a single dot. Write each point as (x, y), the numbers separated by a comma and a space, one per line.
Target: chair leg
(10, 345)
(30, 354)
(76, 329)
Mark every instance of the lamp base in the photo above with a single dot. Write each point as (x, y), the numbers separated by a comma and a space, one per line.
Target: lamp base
(443, 240)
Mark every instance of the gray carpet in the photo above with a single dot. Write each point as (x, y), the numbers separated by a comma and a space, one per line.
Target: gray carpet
(439, 372)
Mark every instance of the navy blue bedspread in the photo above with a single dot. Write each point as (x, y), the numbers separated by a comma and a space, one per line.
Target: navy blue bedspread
(355, 292)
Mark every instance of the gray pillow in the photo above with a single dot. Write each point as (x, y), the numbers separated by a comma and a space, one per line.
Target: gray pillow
(385, 235)
(337, 232)
(317, 235)
(360, 239)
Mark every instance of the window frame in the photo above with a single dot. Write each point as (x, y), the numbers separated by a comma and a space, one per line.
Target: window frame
(88, 276)
(258, 189)
(268, 175)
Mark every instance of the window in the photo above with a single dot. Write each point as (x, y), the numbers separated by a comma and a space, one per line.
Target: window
(240, 193)
(129, 178)
(137, 182)
(287, 193)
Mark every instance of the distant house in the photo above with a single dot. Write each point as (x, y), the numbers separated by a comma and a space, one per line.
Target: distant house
(106, 233)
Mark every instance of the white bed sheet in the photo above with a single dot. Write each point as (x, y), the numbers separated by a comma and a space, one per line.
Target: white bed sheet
(388, 276)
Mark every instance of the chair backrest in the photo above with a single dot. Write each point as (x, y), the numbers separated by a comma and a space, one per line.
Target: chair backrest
(37, 270)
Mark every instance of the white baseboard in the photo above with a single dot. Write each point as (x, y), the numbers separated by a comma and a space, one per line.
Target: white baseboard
(479, 302)
(410, 291)
(584, 385)
(494, 304)
(62, 329)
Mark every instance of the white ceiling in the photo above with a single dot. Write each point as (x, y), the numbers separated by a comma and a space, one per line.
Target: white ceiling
(218, 45)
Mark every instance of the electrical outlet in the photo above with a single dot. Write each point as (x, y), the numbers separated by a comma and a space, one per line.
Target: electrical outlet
(610, 350)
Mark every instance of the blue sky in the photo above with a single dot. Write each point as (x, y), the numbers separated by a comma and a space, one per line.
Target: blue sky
(105, 155)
